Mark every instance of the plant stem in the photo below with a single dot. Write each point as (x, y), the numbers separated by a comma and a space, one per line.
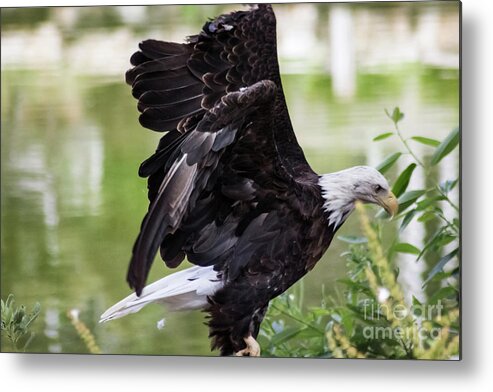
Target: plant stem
(404, 141)
(297, 319)
(420, 163)
(452, 204)
(450, 224)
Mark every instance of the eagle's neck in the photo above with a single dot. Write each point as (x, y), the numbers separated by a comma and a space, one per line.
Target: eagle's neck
(338, 197)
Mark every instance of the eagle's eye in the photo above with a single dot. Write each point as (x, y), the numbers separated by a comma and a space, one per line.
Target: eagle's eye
(378, 188)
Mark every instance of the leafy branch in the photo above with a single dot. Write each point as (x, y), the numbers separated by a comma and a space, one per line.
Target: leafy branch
(16, 322)
(372, 290)
(397, 116)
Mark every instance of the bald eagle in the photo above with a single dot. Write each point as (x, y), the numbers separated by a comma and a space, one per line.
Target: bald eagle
(229, 186)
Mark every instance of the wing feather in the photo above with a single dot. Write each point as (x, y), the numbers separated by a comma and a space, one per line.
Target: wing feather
(229, 171)
(189, 175)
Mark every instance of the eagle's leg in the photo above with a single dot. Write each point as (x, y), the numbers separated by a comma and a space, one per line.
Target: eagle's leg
(252, 348)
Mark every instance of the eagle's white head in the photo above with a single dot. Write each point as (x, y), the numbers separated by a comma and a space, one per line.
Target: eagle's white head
(342, 189)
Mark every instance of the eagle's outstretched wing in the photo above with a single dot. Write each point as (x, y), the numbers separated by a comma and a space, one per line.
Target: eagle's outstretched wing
(229, 169)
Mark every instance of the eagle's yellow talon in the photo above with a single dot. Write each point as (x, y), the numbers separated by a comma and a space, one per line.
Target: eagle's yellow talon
(252, 348)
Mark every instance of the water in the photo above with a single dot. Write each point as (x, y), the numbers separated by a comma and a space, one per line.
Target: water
(71, 145)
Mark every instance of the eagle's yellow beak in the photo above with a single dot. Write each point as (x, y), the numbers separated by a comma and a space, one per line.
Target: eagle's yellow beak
(389, 203)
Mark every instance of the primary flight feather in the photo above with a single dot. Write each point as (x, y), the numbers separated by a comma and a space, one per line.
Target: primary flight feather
(229, 187)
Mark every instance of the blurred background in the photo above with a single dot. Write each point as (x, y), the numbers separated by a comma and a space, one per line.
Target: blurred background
(71, 144)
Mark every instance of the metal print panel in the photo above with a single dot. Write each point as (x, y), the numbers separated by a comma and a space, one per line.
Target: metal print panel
(300, 180)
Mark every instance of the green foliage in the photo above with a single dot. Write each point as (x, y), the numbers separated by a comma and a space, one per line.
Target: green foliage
(446, 147)
(373, 320)
(289, 330)
(400, 185)
(404, 247)
(396, 115)
(409, 199)
(16, 322)
(382, 136)
(426, 141)
(388, 162)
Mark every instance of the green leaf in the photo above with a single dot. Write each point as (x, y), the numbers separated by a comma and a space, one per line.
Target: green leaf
(353, 239)
(318, 312)
(444, 240)
(446, 146)
(405, 247)
(407, 219)
(426, 140)
(309, 333)
(388, 162)
(417, 308)
(416, 301)
(351, 284)
(431, 241)
(438, 241)
(447, 186)
(286, 335)
(439, 266)
(396, 115)
(382, 136)
(429, 201)
(440, 276)
(442, 293)
(402, 181)
(455, 272)
(34, 314)
(408, 198)
(427, 216)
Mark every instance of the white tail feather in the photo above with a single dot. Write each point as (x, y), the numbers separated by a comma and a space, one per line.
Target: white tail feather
(183, 290)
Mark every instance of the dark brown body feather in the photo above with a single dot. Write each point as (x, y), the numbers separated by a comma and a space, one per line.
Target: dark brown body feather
(229, 185)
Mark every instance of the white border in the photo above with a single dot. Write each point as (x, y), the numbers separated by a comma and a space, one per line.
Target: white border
(89, 373)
